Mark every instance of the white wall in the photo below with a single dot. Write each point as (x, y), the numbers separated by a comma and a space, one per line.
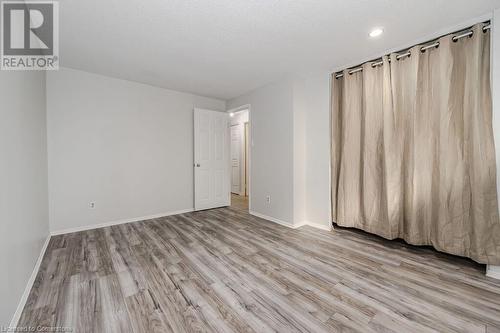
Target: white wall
(23, 183)
(299, 151)
(271, 115)
(240, 117)
(291, 152)
(126, 146)
(317, 92)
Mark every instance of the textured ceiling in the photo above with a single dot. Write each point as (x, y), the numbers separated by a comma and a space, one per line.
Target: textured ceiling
(225, 48)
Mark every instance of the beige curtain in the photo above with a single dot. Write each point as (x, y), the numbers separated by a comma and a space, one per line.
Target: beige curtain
(412, 149)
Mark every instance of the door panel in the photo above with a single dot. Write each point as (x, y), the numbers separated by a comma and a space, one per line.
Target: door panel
(211, 159)
(235, 159)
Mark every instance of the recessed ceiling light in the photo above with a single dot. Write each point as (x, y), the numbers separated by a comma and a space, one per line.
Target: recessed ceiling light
(376, 32)
(231, 114)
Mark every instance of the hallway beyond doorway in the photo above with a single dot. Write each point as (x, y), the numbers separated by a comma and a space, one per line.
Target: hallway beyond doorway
(239, 202)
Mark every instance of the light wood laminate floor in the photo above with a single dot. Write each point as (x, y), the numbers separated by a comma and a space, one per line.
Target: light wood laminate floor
(226, 271)
(239, 202)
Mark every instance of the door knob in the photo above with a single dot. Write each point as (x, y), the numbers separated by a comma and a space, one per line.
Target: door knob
(197, 165)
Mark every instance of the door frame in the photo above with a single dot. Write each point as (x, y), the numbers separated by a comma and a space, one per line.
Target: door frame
(246, 150)
(250, 148)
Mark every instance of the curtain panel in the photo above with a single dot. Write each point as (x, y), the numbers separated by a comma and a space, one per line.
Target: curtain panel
(412, 149)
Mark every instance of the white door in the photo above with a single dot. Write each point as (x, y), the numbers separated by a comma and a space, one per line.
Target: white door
(235, 159)
(211, 159)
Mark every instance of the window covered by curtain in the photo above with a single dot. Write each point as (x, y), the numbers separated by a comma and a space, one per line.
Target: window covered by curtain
(412, 149)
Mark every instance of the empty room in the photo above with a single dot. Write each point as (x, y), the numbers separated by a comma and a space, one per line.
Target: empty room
(250, 166)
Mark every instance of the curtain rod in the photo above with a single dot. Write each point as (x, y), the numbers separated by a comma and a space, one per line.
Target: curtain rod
(422, 49)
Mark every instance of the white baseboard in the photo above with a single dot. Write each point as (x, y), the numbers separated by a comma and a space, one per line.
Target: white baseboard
(289, 225)
(29, 285)
(108, 224)
(493, 271)
(317, 225)
(272, 219)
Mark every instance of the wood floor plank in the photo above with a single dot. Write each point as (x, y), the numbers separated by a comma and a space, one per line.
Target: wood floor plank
(113, 315)
(224, 270)
(145, 313)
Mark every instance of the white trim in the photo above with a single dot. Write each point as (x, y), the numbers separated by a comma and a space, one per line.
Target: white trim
(289, 225)
(108, 224)
(317, 225)
(29, 285)
(272, 219)
(493, 271)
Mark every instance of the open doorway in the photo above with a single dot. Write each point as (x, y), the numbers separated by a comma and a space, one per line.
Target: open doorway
(240, 157)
